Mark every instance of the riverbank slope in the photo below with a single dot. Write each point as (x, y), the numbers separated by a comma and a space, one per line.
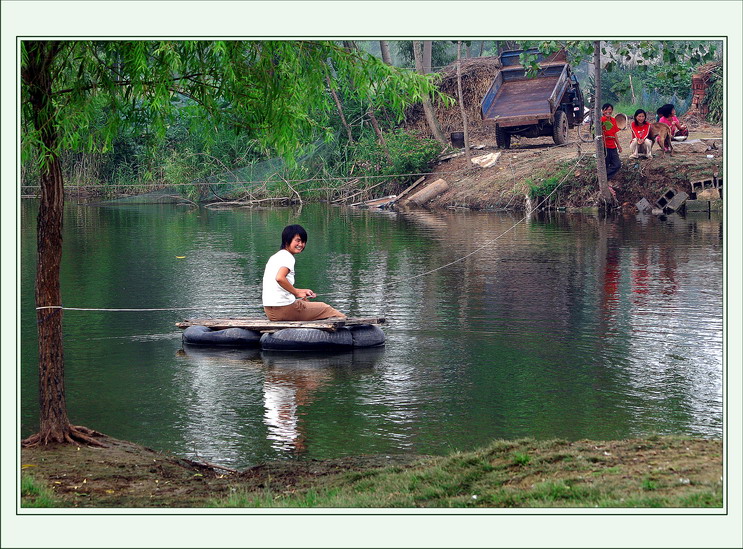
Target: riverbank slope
(650, 472)
(534, 166)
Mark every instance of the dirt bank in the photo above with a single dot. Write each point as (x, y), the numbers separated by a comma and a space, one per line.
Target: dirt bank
(530, 162)
(125, 475)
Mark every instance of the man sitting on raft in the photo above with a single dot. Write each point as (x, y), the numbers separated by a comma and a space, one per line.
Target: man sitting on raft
(281, 300)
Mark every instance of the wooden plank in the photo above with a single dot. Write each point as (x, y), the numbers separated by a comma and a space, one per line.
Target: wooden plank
(413, 186)
(262, 324)
(376, 202)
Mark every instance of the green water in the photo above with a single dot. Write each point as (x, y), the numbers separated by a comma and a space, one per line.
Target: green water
(567, 326)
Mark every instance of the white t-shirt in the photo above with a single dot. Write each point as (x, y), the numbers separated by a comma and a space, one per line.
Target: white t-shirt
(273, 294)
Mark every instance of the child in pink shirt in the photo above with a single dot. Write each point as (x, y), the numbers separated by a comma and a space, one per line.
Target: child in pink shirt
(668, 117)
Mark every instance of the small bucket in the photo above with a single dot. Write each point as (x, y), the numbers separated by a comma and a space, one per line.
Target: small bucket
(457, 139)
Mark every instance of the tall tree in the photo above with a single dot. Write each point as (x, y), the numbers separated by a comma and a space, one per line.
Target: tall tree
(461, 102)
(433, 122)
(604, 192)
(427, 56)
(274, 90)
(38, 77)
(384, 46)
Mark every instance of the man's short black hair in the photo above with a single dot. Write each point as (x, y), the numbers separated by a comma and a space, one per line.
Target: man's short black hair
(289, 232)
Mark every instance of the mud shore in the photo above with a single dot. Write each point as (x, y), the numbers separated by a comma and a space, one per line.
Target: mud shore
(530, 162)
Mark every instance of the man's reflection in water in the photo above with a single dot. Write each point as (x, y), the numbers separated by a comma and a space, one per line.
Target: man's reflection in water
(291, 382)
(294, 380)
(285, 391)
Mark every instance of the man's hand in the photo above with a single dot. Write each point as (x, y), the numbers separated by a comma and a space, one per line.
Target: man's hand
(304, 293)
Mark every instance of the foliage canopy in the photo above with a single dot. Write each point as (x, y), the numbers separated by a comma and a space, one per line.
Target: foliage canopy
(276, 91)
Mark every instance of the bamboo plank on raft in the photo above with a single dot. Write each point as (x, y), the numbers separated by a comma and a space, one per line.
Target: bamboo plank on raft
(262, 324)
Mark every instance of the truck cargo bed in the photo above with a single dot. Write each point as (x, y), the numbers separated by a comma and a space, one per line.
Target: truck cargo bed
(528, 97)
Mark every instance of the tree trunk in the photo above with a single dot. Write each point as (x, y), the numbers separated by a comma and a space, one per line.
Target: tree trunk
(378, 131)
(461, 103)
(340, 109)
(54, 425)
(433, 123)
(385, 47)
(604, 192)
(427, 56)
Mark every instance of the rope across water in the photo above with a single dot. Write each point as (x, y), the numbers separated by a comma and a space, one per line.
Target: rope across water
(391, 284)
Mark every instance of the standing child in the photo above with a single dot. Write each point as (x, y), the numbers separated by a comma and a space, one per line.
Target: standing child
(281, 300)
(640, 143)
(611, 142)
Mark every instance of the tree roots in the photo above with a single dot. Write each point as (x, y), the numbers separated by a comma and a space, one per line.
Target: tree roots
(74, 434)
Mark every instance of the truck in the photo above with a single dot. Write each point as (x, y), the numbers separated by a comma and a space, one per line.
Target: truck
(547, 104)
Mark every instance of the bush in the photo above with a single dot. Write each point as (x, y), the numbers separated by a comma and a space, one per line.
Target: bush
(545, 186)
(409, 156)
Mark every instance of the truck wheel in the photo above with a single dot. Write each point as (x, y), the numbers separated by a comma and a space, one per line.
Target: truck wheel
(502, 138)
(560, 128)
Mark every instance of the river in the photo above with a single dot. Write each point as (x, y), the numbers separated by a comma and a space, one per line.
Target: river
(561, 326)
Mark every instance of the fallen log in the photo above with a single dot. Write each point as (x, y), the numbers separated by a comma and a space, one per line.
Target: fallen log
(413, 186)
(429, 192)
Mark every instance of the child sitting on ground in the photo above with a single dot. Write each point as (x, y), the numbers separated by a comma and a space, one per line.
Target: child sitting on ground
(640, 143)
(667, 114)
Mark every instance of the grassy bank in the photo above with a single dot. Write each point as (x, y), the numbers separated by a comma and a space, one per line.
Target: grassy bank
(644, 473)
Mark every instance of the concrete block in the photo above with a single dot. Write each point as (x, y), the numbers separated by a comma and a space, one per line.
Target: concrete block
(643, 205)
(699, 186)
(676, 202)
(718, 184)
(665, 198)
(697, 205)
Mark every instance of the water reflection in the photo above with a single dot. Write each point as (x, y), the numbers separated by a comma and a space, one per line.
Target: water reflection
(566, 326)
(291, 381)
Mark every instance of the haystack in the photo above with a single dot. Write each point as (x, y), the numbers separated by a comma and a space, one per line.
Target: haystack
(477, 76)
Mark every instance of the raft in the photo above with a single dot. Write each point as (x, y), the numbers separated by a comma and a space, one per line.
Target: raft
(317, 335)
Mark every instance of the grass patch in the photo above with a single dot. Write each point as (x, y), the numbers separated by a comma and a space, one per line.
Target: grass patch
(497, 476)
(543, 185)
(36, 494)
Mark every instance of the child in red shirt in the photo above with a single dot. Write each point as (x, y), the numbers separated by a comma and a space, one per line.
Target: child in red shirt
(611, 142)
(640, 130)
